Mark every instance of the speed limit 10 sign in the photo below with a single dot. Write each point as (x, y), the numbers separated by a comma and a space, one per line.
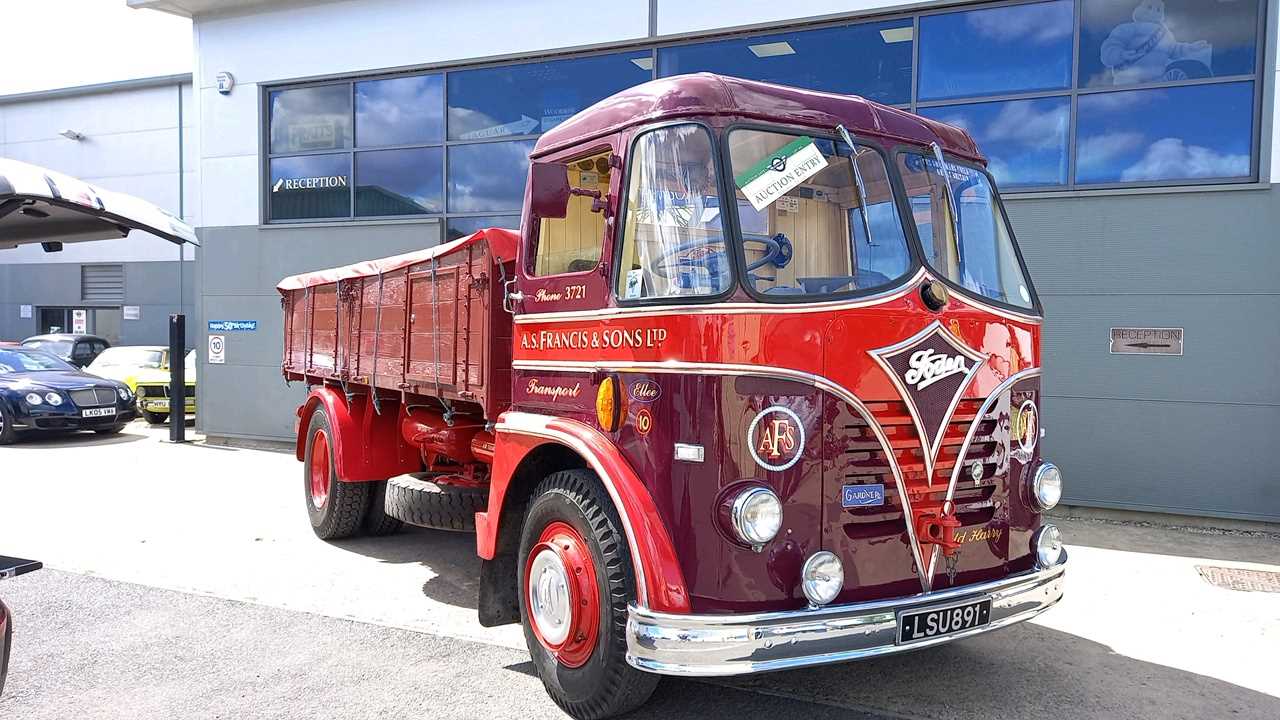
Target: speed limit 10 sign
(217, 349)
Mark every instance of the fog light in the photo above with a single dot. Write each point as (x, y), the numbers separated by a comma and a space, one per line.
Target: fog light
(1048, 546)
(34, 399)
(822, 577)
(1046, 486)
(757, 515)
(53, 399)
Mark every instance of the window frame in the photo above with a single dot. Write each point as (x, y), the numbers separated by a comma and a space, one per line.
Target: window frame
(1036, 309)
(632, 140)
(914, 256)
(1257, 177)
(534, 239)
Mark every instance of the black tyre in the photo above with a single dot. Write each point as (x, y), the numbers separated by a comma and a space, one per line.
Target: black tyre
(376, 520)
(575, 582)
(423, 503)
(113, 430)
(8, 433)
(155, 418)
(335, 508)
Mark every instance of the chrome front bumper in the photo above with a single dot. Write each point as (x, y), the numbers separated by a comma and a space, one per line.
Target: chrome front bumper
(706, 645)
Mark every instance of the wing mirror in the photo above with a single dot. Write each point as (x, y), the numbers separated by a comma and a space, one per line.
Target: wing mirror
(550, 194)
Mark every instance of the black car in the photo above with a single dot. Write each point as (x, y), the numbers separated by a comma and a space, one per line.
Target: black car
(79, 350)
(41, 392)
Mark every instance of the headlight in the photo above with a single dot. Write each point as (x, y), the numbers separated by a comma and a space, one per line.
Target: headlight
(53, 398)
(757, 515)
(822, 577)
(1046, 486)
(1048, 546)
(34, 399)
(123, 392)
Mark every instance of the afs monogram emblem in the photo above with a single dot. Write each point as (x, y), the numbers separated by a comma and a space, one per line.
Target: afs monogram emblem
(776, 438)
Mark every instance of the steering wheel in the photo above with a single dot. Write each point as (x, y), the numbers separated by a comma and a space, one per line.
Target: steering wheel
(778, 252)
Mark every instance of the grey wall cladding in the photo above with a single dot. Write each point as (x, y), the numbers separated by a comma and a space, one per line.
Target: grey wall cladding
(239, 267)
(1177, 434)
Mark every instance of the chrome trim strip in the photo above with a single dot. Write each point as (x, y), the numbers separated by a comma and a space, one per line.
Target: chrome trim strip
(523, 423)
(968, 438)
(929, 446)
(736, 644)
(817, 381)
(884, 296)
(1006, 314)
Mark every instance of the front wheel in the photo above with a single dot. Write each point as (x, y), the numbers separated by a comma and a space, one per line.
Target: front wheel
(8, 433)
(336, 509)
(575, 581)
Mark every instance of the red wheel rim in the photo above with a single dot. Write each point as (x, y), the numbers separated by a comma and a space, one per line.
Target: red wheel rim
(562, 596)
(319, 469)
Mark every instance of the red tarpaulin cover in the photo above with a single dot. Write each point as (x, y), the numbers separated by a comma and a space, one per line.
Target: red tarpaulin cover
(502, 245)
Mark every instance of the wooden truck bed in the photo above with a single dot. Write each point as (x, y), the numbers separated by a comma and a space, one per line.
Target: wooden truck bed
(429, 322)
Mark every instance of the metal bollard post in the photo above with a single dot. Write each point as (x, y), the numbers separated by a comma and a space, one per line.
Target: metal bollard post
(177, 378)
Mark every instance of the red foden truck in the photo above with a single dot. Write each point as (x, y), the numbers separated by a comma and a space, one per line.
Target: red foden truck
(756, 386)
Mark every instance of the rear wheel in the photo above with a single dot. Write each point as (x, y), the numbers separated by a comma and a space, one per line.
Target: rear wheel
(376, 521)
(335, 508)
(575, 581)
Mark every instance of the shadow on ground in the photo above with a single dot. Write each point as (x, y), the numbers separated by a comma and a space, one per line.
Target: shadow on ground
(53, 439)
(450, 555)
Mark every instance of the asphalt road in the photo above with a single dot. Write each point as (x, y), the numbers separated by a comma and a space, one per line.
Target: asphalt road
(185, 582)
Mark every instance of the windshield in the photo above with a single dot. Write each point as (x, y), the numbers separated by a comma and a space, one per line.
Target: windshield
(814, 221)
(61, 348)
(133, 357)
(982, 258)
(24, 361)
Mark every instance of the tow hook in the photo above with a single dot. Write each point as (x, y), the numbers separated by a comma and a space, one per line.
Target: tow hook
(934, 526)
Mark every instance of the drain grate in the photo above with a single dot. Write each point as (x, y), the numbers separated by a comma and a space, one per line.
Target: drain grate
(1240, 579)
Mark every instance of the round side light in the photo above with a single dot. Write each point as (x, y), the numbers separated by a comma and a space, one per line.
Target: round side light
(34, 399)
(53, 398)
(822, 577)
(1047, 543)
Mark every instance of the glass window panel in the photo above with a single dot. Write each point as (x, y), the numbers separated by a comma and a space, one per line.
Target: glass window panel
(458, 227)
(400, 111)
(1008, 49)
(673, 241)
(814, 240)
(400, 182)
(488, 177)
(310, 186)
(313, 118)
(1180, 133)
(532, 98)
(1142, 41)
(1025, 141)
(573, 243)
(869, 59)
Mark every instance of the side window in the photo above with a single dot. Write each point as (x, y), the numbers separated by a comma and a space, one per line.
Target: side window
(673, 243)
(83, 352)
(573, 243)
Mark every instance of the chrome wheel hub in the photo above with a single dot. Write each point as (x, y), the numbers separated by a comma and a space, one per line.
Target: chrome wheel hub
(549, 601)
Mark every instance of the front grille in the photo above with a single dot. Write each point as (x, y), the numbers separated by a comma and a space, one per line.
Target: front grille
(864, 461)
(162, 391)
(93, 397)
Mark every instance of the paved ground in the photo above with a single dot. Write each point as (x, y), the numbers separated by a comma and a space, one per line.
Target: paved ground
(268, 622)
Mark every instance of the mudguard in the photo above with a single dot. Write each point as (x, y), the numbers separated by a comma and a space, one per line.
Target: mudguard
(366, 446)
(659, 581)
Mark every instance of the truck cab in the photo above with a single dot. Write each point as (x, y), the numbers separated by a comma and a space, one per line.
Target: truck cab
(774, 394)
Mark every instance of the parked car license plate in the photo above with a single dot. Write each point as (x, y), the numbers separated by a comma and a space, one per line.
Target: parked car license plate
(98, 412)
(158, 404)
(936, 622)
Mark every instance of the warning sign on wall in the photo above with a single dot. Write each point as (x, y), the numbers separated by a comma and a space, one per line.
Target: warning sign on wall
(217, 349)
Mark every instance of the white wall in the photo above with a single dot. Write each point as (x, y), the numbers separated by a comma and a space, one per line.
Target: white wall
(130, 146)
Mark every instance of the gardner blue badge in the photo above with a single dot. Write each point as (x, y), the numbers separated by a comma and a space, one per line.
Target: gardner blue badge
(862, 495)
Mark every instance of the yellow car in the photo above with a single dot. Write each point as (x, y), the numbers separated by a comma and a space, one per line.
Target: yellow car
(145, 369)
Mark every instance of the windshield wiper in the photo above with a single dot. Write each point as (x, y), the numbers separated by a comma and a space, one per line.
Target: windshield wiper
(857, 180)
(945, 168)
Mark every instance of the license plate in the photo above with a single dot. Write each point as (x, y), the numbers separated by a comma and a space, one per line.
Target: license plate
(158, 404)
(98, 412)
(936, 622)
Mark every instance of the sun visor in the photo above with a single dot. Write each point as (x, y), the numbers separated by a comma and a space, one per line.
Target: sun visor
(44, 206)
